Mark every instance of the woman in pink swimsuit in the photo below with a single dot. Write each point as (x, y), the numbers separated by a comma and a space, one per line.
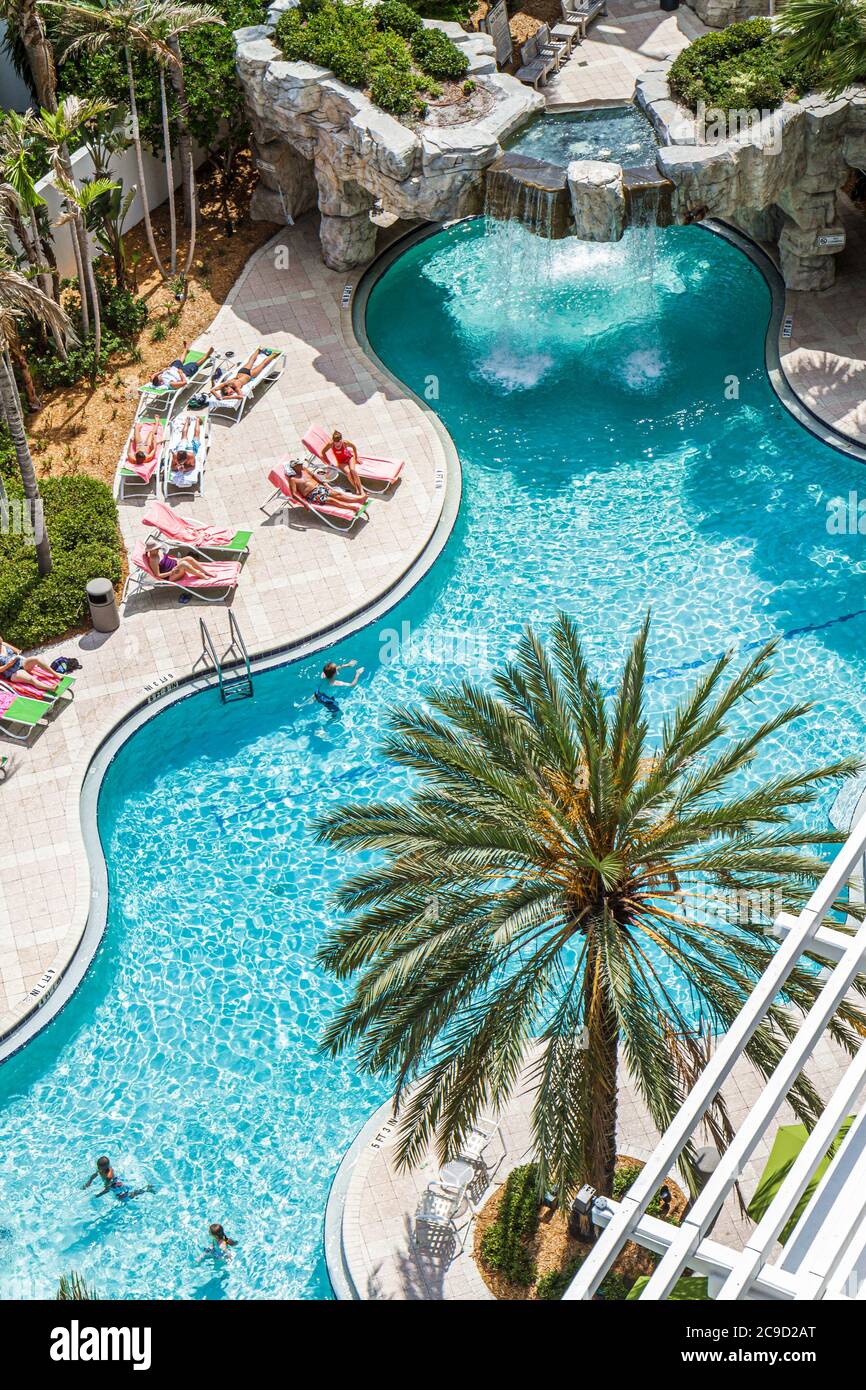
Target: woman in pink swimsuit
(346, 459)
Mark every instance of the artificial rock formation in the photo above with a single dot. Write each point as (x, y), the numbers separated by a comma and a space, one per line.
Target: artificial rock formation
(597, 199)
(777, 180)
(319, 141)
(718, 14)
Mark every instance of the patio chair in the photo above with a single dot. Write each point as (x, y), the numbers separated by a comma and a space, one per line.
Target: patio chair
(235, 406)
(169, 526)
(379, 474)
(139, 476)
(435, 1224)
(549, 47)
(221, 574)
(337, 517)
(173, 481)
(164, 400)
(478, 1142)
(535, 66)
(26, 712)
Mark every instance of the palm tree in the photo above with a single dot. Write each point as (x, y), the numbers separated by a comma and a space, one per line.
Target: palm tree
(80, 202)
(16, 160)
(20, 298)
(549, 871)
(26, 22)
(72, 1287)
(57, 129)
(150, 26)
(827, 36)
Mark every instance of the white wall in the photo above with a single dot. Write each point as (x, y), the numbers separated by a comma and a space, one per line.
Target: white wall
(125, 169)
(14, 94)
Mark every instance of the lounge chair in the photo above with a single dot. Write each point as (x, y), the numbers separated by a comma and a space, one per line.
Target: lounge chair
(182, 431)
(535, 66)
(135, 476)
(236, 405)
(27, 712)
(222, 574)
(169, 526)
(337, 517)
(378, 473)
(164, 400)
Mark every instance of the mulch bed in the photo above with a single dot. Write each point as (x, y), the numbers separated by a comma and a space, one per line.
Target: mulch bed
(552, 1247)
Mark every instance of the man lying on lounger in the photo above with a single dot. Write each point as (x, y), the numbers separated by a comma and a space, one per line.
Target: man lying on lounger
(183, 458)
(180, 372)
(304, 486)
(234, 387)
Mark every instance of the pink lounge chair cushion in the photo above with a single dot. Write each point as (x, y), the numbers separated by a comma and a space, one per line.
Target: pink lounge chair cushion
(7, 698)
(145, 471)
(280, 481)
(183, 529)
(379, 469)
(33, 689)
(220, 573)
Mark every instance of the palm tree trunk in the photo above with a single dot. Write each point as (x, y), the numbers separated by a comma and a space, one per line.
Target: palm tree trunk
(602, 1055)
(93, 289)
(142, 187)
(169, 169)
(44, 277)
(19, 357)
(82, 283)
(40, 54)
(184, 142)
(15, 424)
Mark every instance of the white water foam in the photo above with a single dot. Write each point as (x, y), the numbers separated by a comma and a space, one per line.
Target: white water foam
(511, 370)
(643, 368)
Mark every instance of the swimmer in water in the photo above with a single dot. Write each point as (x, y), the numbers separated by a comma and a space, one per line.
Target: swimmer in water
(114, 1183)
(221, 1245)
(330, 671)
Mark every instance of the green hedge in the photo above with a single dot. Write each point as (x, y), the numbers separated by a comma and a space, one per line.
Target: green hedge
(742, 68)
(502, 1245)
(81, 521)
(370, 47)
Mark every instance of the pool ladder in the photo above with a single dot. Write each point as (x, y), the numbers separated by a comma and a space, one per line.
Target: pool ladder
(231, 687)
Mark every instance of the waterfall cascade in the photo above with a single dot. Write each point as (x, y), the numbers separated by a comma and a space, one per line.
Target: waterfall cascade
(519, 188)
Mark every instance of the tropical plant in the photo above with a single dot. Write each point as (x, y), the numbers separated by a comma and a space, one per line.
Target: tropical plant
(84, 204)
(72, 1286)
(107, 215)
(152, 27)
(21, 298)
(547, 869)
(27, 28)
(828, 36)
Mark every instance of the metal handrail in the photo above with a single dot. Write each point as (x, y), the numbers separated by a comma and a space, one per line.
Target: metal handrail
(207, 645)
(238, 643)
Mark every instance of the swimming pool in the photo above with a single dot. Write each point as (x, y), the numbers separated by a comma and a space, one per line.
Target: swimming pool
(609, 463)
(619, 133)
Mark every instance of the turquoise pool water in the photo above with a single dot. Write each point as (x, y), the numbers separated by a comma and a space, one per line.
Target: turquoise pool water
(619, 133)
(608, 464)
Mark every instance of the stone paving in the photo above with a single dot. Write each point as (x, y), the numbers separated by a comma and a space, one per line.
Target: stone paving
(378, 1246)
(825, 357)
(297, 579)
(617, 48)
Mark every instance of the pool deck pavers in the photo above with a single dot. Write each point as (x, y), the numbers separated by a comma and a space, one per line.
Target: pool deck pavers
(297, 580)
(618, 48)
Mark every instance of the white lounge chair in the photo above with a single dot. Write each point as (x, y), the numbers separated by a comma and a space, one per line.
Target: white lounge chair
(164, 400)
(235, 406)
(129, 478)
(173, 483)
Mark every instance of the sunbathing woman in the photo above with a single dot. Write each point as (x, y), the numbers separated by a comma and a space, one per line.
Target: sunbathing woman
(234, 388)
(12, 664)
(176, 568)
(304, 486)
(180, 373)
(142, 444)
(346, 459)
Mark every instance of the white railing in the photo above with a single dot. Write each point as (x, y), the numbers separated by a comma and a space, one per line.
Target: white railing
(798, 934)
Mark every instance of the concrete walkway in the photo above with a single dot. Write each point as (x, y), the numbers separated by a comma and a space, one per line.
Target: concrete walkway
(825, 357)
(297, 580)
(617, 49)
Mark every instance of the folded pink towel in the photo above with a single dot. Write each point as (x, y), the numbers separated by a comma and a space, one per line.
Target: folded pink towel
(183, 529)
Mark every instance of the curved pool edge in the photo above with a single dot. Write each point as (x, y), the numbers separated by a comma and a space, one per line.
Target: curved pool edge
(62, 977)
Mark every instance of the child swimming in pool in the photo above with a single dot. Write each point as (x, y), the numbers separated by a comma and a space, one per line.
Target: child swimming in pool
(114, 1183)
(328, 680)
(221, 1246)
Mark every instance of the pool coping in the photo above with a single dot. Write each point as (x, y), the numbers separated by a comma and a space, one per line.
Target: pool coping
(58, 984)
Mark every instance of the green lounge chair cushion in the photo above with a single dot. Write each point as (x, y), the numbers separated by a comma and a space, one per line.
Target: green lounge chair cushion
(688, 1288)
(787, 1144)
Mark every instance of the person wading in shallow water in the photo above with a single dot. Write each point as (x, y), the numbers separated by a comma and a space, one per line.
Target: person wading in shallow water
(114, 1183)
(221, 1246)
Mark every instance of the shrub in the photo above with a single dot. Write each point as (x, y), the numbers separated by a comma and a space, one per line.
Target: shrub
(402, 19)
(553, 1285)
(625, 1175)
(743, 67)
(436, 55)
(81, 520)
(393, 90)
(502, 1245)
